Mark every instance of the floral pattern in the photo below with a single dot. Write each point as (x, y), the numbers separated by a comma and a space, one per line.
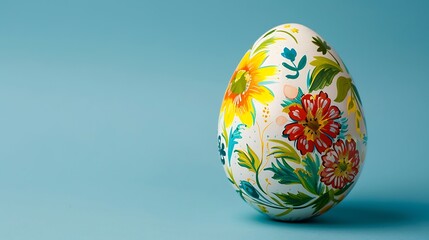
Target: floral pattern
(314, 123)
(292, 135)
(340, 164)
(290, 54)
(246, 85)
(221, 149)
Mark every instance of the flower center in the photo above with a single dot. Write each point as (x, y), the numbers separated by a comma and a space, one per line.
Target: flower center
(343, 166)
(241, 82)
(313, 124)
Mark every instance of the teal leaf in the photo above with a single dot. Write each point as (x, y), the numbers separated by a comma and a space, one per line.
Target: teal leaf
(309, 177)
(308, 79)
(249, 189)
(293, 76)
(294, 199)
(288, 66)
(233, 137)
(283, 172)
(302, 62)
(344, 127)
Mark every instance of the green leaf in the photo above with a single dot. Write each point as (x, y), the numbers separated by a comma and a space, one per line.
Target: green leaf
(343, 86)
(351, 104)
(302, 62)
(343, 190)
(225, 135)
(284, 213)
(309, 177)
(265, 44)
(230, 176)
(324, 72)
(284, 151)
(283, 173)
(268, 33)
(323, 46)
(294, 199)
(356, 93)
(250, 160)
(321, 202)
(288, 33)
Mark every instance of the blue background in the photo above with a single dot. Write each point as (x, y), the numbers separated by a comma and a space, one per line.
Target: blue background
(109, 118)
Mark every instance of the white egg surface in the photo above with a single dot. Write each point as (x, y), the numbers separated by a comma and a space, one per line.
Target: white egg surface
(291, 133)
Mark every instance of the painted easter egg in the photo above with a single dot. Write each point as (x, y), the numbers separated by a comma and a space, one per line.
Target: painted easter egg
(291, 132)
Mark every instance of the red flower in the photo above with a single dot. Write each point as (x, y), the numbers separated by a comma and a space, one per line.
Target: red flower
(340, 164)
(314, 123)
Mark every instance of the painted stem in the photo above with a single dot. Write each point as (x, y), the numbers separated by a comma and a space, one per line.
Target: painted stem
(257, 181)
(334, 58)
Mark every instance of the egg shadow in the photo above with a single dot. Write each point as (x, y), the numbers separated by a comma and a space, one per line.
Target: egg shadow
(362, 215)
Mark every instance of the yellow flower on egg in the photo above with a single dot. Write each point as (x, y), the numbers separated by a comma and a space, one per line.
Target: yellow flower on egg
(245, 86)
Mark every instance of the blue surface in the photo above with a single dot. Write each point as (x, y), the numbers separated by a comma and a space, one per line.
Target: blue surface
(109, 114)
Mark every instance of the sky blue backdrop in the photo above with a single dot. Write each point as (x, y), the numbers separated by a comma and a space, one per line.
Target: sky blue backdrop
(109, 114)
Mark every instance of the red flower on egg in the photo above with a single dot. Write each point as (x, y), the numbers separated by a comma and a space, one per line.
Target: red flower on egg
(340, 164)
(314, 123)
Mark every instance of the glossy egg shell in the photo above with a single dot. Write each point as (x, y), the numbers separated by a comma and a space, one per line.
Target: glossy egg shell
(291, 133)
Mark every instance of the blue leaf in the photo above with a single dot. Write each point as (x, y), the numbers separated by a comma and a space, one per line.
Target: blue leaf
(233, 136)
(288, 66)
(302, 62)
(308, 79)
(344, 127)
(293, 76)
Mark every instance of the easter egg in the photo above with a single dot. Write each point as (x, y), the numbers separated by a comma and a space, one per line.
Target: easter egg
(291, 132)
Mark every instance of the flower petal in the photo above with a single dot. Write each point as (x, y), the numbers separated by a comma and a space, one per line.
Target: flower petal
(262, 74)
(256, 61)
(308, 104)
(330, 159)
(294, 131)
(260, 94)
(243, 62)
(351, 145)
(332, 129)
(323, 143)
(338, 182)
(332, 113)
(340, 147)
(246, 114)
(228, 111)
(304, 145)
(297, 113)
(322, 102)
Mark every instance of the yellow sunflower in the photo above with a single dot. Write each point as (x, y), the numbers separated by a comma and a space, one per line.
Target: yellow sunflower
(245, 85)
